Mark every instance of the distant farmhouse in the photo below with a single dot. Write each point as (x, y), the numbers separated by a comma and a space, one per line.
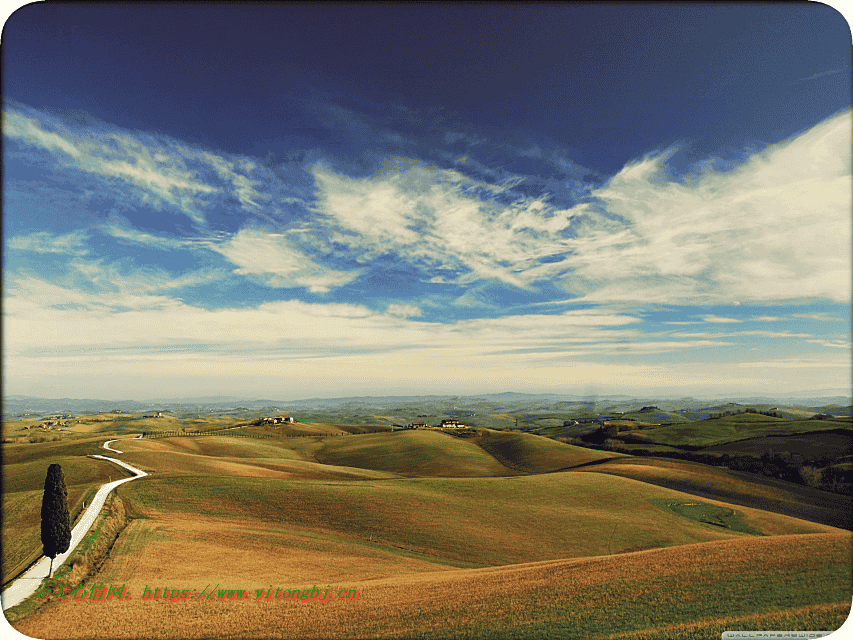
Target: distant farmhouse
(50, 423)
(276, 420)
(445, 424)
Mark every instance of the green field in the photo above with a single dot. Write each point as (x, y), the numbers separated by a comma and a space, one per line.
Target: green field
(729, 429)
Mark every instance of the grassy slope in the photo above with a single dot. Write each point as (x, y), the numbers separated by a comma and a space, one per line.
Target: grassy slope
(734, 487)
(529, 453)
(238, 457)
(480, 521)
(689, 592)
(46, 451)
(411, 453)
(296, 429)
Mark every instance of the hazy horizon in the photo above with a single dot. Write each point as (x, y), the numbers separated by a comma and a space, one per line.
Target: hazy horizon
(457, 199)
(806, 394)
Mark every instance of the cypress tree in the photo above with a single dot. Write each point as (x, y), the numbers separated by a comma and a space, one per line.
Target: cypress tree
(55, 518)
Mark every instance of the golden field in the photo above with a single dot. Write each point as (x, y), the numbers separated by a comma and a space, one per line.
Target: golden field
(502, 535)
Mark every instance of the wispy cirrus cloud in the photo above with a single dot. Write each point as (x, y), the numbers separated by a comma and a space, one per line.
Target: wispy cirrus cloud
(120, 228)
(821, 74)
(739, 334)
(822, 317)
(162, 171)
(720, 320)
(834, 344)
(762, 231)
(769, 229)
(100, 287)
(777, 227)
(73, 243)
(141, 160)
(795, 364)
(440, 219)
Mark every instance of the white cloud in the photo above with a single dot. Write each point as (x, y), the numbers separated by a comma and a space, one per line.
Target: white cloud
(823, 317)
(243, 186)
(835, 344)
(119, 228)
(28, 130)
(136, 313)
(138, 335)
(764, 231)
(163, 169)
(154, 165)
(795, 364)
(720, 319)
(403, 310)
(46, 242)
(735, 334)
(278, 260)
(776, 228)
(436, 218)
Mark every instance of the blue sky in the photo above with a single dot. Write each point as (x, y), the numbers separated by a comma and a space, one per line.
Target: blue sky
(298, 201)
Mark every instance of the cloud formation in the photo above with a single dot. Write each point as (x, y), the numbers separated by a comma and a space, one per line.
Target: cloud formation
(775, 228)
(493, 243)
(279, 261)
(73, 243)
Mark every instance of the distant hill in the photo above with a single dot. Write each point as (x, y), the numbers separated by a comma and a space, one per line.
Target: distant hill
(833, 410)
(548, 405)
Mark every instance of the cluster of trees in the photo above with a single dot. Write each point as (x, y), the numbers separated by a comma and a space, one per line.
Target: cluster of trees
(818, 472)
(717, 416)
(772, 414)
(212, 432)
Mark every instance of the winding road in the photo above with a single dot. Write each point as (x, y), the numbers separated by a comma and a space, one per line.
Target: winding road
(27, 584)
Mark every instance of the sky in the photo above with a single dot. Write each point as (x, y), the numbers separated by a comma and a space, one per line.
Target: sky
(302, 201)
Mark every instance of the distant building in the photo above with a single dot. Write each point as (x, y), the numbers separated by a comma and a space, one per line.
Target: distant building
(416, 425)
(451, 424)
(276, 420)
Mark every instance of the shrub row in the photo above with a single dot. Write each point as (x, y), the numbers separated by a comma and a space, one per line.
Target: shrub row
(816, 472)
